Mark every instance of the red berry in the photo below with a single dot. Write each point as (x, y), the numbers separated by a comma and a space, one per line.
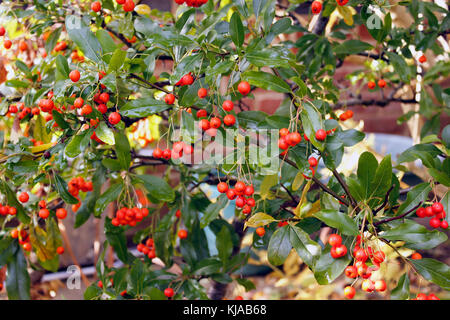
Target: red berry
(182, 234)
(157, 153)
(229, 120)
(244, 88)
(437, 207)
(341, 250)
(44, 213)
(312, 162)
(78, 103)
(202, 93)
(380, 285)
(169, 98)
(432, 296)
(114, 118)
(381, 83)
(416, 256)
(435, 222)
(361, 255)
(128, 5)
(61, 213)
(187, 80)
(429, 212)
(202, 113)
(104, 97)
(420, 213)
(351, 272)
(74, 75)
(215, 122)
(249, 190)
(2, 31)
(349, 292)
(96, 6)
(231, 194)
(60, 250)
(378, 257)
(222, 187)
(204, 124)
(335, 240)
(261, 231)
(7, 44)
(24, 197)
(102, 108)
(239, 187)
(371, 85)
(422, 59)
(321, 135)
(228, 105)
(444, 224)
(168, 292)
(316, 7)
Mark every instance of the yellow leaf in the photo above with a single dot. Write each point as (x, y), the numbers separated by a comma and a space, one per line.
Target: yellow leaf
(298, 181)
(314, 208)
(267, 183)
(41, 148)
(142, 9)
(303, 198)
(346, 14)
(258, 220)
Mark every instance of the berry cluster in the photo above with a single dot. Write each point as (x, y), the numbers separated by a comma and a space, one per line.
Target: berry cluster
(346, 115)
(24, 238)
(288, 139)
(436, 210)
(75, 185)
(129, 216)
(179, 149)
(372, 85)
(360, 269)
(7, 210)
(242, 193)
(192, 3)
(423, 296)
(338, 249)
(148, 248)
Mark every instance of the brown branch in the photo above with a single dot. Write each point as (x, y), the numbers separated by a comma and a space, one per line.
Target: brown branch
(398, 217)
(345, 187)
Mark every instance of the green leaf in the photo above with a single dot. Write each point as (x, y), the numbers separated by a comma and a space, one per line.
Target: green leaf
(367, 166)
(338, 220)
(415, 235)
(123, 149)
(137, 277)
(306, 248)
(237, 30)
(107, 43)
(382, 181)
(105, 133)
(446, 136)
(224, 244)
(110, 195)
(117, 60)
(59, 119)
(213, 210)
(157, 187)
(74, 147)
(279, 246)
(312, 121)
(425, 152)
(267, 58)
(116, 238)
(352, 47)
(434, 271)
(417, 194)
(18, 279)
(400, 66)
(250, 119)
(143, 107)
(401, 291)
(62, 66)
(81, 34)
(327, 268)
(61, 188)
(439, 176)
(266, 81)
